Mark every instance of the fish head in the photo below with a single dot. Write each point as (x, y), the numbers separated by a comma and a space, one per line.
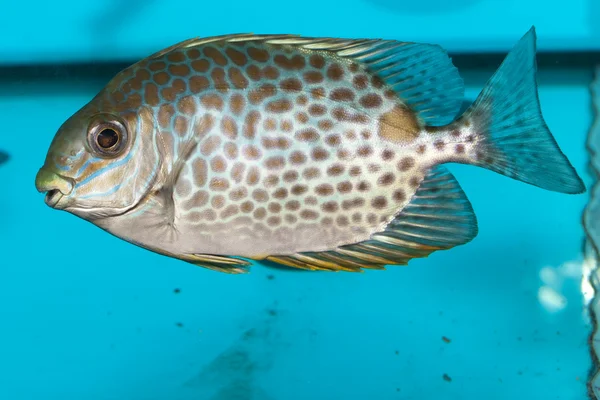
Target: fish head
(102, 160)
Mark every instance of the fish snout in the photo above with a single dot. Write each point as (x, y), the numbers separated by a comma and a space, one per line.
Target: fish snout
(54, 185)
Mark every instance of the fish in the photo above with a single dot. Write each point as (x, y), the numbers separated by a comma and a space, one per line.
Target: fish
(311, 153)
(4, 157)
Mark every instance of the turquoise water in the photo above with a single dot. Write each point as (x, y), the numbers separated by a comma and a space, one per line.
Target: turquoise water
(85, 315)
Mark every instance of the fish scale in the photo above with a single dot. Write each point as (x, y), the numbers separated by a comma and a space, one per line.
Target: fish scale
(315, 153)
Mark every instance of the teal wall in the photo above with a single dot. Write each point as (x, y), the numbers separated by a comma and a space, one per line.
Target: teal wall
(39, 31)
(84, 315)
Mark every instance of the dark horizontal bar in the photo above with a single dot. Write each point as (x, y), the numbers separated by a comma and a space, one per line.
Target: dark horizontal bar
(102, 72)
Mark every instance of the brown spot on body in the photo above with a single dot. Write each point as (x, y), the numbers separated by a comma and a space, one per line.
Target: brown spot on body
(335, 72)
(274, 207)
(218, 184)
(297, 158)
(439, 144)
(258, 95)
(270, 72)
(183, 188)
(176, 56)
(157, 66)
(280, 193)
(237, 172)
(325, 124)
(218, 164)
(247, 207)
(238, 193)
(218, 201)
(365, 151)
(260, 213)
(360, 82)
(302, 117)
(203, 125)
(318, 93)
(341, 94)
(187, 105)
(307, 135)
(250, 124)
(251, 152)
(295, 62)
(210, 144)
(317, 61)
(237, 57)
(414, 181)
(237, 78)
(165, 113)
(333, 140)
(324, 189)
(199, 171)
(371, 100)
(279, 106)
(398, 126)
(309, 214)
(421, 149)
(218, 77)
(198, 84)
(319, 154)
(292, 205)
(363, 186)
(399, 195)
(199, 199)
(290, 85)
(151, 95)
(330, 206)
(229, 127)
(214, 54)
(181, 125)
(355, 171)
(312, 77)
(335, 170)
(286, 125)
(253, 72)
(237, 103)
(406, 163)
(253, 176)
(387, 155)
(179, 69)
(311, 173)
(161, 78)
(386, 179)
(379, 202)
(344, 187)
(212, 102)
(201, 65)
(460, 148)
(260, 195)
(317, 110)
(257, 54)
(176, 88)
(275, 162)
(290, 176)
(299, 189)
(342, 220)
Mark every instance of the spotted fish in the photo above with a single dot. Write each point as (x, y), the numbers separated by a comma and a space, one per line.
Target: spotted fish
(313, 153)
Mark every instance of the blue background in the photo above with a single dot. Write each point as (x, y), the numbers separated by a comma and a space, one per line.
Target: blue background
(84, 315)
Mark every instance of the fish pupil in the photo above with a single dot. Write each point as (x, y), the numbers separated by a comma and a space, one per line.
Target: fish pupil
(107, 138)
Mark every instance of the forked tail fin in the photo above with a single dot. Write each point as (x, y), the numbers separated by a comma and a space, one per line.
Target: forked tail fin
(511, 136)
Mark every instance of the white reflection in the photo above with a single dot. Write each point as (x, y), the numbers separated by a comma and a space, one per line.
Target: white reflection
(550, 293)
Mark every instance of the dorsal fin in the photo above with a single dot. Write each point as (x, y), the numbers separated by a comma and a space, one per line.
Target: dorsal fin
(422, 74)
(438, 217)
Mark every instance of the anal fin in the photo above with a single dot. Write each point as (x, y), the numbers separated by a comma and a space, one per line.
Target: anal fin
(438, 217)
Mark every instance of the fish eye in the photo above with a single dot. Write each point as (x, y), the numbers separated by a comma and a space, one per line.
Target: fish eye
(107, 136)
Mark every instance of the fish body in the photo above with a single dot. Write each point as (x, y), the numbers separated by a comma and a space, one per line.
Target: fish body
(315, 153)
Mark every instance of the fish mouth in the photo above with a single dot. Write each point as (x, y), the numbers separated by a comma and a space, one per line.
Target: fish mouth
(52, 197)
(54, 185)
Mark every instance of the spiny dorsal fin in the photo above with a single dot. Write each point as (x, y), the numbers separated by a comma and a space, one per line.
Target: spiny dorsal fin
(422, 74)
(438, 217)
